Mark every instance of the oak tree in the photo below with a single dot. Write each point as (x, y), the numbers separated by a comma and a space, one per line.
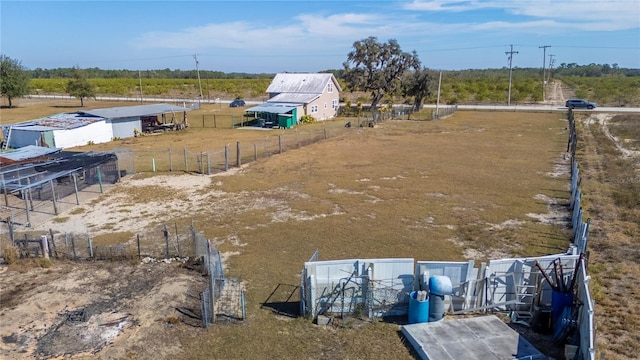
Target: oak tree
(14, 82)
(79, 87)
(377, 68)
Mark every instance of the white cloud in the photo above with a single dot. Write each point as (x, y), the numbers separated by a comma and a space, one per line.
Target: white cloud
(591, 15)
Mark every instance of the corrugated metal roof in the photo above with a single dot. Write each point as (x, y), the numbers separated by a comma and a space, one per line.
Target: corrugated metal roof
(134, 111)
(273, 108)
(295, 98)
(58, 121)
(301, 83)
(28, 152)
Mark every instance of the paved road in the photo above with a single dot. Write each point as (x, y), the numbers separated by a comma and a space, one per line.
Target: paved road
(523, 107)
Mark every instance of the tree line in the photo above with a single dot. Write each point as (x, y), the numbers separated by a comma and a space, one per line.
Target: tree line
(382, 70)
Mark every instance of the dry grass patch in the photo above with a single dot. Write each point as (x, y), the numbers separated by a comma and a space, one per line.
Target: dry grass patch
(611, 191)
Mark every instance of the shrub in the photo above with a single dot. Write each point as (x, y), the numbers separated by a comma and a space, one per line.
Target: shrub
(10, 254)
(307, 119)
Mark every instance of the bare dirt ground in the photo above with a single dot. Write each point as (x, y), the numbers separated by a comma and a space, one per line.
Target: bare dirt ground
(79, 309)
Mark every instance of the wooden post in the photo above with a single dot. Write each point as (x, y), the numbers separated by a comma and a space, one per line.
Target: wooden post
(186, 164)
(170, 161)
(208, 163)
(214, 121)
(66, 245)
(203, 121)
(11, 234)
(53, 195)
(99, 177)
(166, 240)
(238, 161)
(226, 157)
(177, 240)
(138, 239)
(53, 243)
(73, 247)
(255, 152)
(4, 190)
(75, 187)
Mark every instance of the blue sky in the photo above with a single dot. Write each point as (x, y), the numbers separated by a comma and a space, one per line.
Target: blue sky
(277, 36)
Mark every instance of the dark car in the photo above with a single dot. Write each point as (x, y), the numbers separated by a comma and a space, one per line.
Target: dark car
(237, 103)
(580, 104)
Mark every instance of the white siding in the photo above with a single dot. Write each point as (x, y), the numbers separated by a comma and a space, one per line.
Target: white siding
(98, 132)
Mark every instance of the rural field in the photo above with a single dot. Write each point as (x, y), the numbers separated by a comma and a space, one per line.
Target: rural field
(476, 185)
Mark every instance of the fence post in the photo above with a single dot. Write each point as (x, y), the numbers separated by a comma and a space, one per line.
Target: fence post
(73, 247)
(75, 186)
(44, 244)
(99, 177)
(26, 206)
(170, 161)
(279, 144)
(138, 239)
(28, 192)
(186, 165)
(215, 125)
(66, 245)
(53, 197)
(166, 240)
(177, 240)
(238, 161)
(226, 157)
(208, 164)
(11, 234)
(53, 244)
(203, 121)
(90, 247)
(4, 190)
(255, 152)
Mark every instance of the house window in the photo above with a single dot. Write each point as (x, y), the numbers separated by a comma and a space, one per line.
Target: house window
(314, 109)
(325, 105)
(334, 103)
(329, 87)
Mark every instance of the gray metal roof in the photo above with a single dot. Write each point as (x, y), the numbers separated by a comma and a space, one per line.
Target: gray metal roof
(301, 83)
(295, 98)
(57, 121)
(134, 111)
(28, 152)
(273, 108)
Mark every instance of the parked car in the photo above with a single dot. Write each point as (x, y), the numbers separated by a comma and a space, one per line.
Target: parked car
(580, 104)
(237, 103)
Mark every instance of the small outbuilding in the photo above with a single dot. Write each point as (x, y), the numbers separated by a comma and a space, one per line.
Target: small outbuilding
(96, 126)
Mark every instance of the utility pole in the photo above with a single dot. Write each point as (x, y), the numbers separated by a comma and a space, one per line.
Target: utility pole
(438, 98)
(551, 61)
(195, 56)
(510, 53)
(544, 57)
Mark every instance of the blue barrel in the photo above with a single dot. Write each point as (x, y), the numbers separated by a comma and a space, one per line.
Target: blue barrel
(418, 309)
(439, 286)
(559, 300)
